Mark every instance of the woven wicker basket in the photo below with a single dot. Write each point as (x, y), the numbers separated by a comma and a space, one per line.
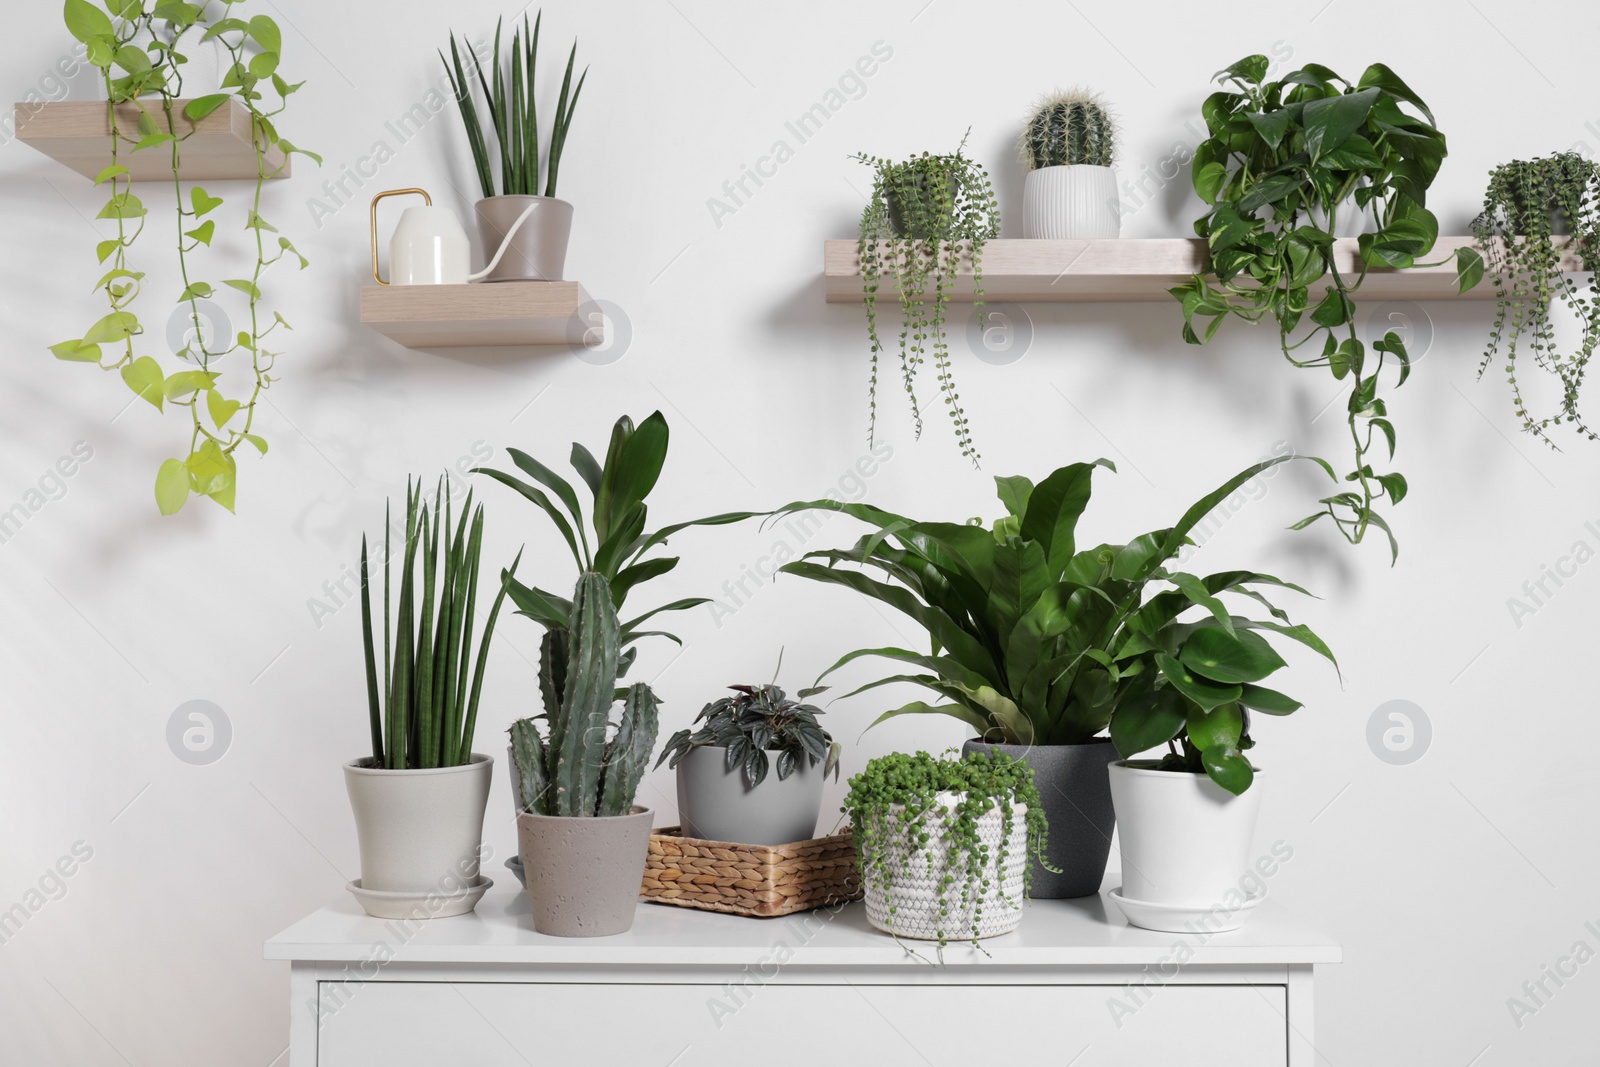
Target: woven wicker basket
(756, 880)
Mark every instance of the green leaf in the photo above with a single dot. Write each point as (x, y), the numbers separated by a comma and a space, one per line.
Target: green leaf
(1271, 125)
(78, 351)
(105, 248)
(260, 443)
(1208, 181)
(117, 326)
(86, 21)
(203, 201)
(1228, 768)
(122, 206)
(172, 486)
(115, 170)
(201, 106)
(185, 382)
(1220, 657)
(1395, 485)
(262, 65)
(1146, 720)
(1270, 701)
(144, 377)
(266, 34)
(100, 52)
(1380, 76)
(1469, 268)
(1333, 310)
(1221, 727)
(1202, 692)
(196, 290)
(202, 232)
(221, 410)
(245, 286)
(955, 711)
(1330, 121)
(1251, 70)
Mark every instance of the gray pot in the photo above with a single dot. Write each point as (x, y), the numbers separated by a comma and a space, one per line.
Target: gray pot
(1075, 789)
(715, 804)
(538, 250)
(584, 874)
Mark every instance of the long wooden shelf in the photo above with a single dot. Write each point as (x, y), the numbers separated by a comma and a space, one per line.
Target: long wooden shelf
(1127, 269)
(479, 314)
(77, 133)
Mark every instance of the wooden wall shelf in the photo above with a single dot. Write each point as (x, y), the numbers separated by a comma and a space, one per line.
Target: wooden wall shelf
(1127, 269)
(479, 313)
(77, 133)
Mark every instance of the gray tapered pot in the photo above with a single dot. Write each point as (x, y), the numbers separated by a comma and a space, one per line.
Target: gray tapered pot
(538, 249)
(584, 874)
(716, 804)
(1075, 788)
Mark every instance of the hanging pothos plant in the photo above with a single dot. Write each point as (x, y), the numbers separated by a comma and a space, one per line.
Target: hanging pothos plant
(138, 46)
(1527, 202)
(923, 217)
(1283, 159)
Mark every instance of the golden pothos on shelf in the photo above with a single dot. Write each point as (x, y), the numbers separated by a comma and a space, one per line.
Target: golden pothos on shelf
(138, 46)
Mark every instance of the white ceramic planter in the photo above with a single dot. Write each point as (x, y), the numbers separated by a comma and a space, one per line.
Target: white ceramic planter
(420, 832)
(916, 872)
(1185, 839)
(715, 804)
(1065, 203)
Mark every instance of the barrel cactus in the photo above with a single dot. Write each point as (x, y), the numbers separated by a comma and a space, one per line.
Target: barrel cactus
(1072, 128)
(577, 770)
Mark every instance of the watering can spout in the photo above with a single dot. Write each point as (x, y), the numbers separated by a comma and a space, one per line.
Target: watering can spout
(429, 247)
(505, 243)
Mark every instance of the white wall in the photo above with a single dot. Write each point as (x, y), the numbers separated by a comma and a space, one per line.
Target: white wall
(1450, 881)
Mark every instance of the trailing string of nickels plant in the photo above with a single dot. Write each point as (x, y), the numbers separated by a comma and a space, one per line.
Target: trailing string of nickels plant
(146, 46)
(1524, 203)
(923, 216)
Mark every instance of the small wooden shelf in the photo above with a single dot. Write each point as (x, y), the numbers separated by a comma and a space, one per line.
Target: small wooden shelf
(1127, 269)
(77, 133)
(479, 313)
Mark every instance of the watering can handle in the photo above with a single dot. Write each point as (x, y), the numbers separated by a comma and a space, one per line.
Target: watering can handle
(374, 224)
(505, 242)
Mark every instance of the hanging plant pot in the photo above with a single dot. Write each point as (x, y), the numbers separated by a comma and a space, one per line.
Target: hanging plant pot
(915, 890)
(537, 250)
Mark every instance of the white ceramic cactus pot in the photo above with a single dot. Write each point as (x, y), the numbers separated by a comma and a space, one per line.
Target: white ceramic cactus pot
(1077, 201)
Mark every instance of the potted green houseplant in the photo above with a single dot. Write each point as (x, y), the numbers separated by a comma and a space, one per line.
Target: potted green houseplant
(538, 248)
(926, 215)
(942, 844)
(753, 771)
(583, 840)
(1067, 148)
(1026, 629)
(1527, 205)
(419, 797)
(1282, 160)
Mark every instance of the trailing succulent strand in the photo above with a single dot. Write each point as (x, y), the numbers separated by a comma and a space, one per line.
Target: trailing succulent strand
(578, 771)
(1515, 232)
(897, 798)
(1069, 129)
(924, 217)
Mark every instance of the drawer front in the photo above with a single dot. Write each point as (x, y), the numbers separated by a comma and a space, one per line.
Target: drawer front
(429, 1024)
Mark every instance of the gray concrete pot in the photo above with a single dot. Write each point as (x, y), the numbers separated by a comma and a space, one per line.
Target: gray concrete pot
(715, 804)
(1075, 789)
(538, 250)
(584, 874)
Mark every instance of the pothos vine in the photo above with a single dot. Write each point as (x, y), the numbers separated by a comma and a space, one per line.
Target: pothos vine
(143, 41)
(892, 806)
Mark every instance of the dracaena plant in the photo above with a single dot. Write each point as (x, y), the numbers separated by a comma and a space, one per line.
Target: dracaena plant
(1282, 160)
(611, 541)
(925, 215)
(424, 706)
(759, 720)
(1524, 203)
(1038, 640)
(138, 47)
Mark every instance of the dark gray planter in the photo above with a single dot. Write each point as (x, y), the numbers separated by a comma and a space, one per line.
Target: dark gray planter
(584, 874)
(1075, 786)
(715, 804)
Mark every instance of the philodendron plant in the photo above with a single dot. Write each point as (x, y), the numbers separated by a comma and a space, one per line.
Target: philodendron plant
(138, 46)
(424, 707)
(1283, 159)
(578, 770)
(1036, 640)
(612, 542)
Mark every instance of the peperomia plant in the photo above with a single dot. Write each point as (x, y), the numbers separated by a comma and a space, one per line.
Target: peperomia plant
(1035, 640)
(893, 803)
(138, 47)
(924, 216)
(1527, 200)
(761, 719)
(1283, 158)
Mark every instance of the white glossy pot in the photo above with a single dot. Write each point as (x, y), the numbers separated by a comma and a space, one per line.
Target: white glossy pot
(1185, 839)
(419, 830)
(915, 874)
(1076, 201)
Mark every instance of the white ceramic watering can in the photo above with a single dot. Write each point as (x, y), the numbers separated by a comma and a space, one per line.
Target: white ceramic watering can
(429, 247)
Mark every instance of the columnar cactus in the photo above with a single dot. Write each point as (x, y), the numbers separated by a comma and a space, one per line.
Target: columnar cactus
(578, 772)
(1069, 128)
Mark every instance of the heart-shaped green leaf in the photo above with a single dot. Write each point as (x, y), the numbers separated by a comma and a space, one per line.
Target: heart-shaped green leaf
(1228, 658)
(1222, 726)
(1228, 768)
(202, 232)
(221, 410)
(172, 486)
(1204, 693)
(203, 201)
(117, 326)
(78, 351)
(144, 377)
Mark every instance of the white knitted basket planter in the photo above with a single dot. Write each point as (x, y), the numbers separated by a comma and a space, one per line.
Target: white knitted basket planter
(914, 876)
